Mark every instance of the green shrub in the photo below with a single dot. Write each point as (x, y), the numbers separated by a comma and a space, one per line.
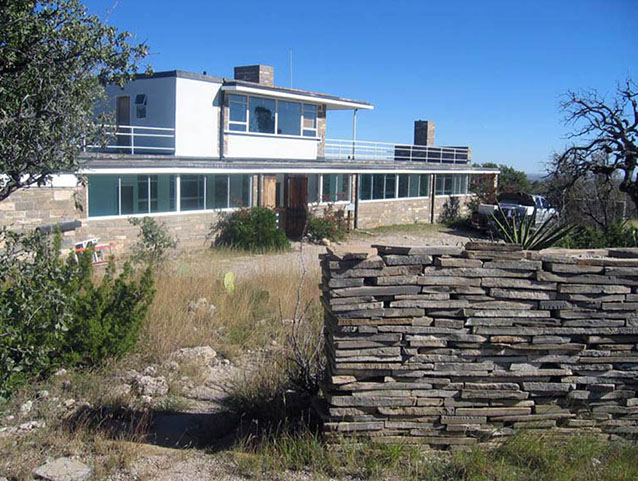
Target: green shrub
(55, 312)
(617, 234)
(332, 225)
(153, 243)
(253, 230)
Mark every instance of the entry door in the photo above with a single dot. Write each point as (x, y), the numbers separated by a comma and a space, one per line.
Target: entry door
(123, 117)
(296, 205)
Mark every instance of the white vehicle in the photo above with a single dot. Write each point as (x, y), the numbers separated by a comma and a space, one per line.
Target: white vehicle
(514, 204)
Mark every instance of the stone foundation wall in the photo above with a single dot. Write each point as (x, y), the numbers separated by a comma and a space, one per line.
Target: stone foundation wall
(389, 212)
(445, 346)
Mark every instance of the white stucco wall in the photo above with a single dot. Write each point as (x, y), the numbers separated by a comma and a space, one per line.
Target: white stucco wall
(259, 146)
(197, 118)
(160, 107)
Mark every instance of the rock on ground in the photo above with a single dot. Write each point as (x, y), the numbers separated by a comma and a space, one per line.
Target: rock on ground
(63, 469)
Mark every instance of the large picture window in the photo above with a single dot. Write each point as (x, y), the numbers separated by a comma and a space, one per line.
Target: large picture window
(335, 188)
(414, 185)
(288, 118)
(451, 184)
(131, 194)
(147, 194)
(262, 115)
(270, 116)
(392, 186)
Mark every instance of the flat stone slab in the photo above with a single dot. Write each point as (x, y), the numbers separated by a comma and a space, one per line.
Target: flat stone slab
(63, 469)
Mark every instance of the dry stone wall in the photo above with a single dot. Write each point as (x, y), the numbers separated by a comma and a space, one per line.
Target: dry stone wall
(446, 346)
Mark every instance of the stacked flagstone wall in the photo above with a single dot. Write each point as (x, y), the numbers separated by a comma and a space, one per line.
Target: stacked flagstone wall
(446, 345)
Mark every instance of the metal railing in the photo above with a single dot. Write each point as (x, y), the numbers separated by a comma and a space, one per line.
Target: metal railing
(137, 139)
(338, 149)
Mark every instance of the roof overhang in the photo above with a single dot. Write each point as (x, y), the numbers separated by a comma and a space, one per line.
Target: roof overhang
(331, 103)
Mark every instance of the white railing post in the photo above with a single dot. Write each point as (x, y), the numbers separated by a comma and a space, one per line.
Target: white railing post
(132, 140)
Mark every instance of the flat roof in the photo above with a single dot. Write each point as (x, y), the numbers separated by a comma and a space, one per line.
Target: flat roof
(116, 163)
(241, 86)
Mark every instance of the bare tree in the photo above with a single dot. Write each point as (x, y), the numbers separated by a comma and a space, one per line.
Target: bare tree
(604, 138)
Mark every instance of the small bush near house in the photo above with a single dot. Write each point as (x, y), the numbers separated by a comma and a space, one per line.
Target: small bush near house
(55, 312)
(153, 243)
(617, 234)
(253, 230)
(332, 225)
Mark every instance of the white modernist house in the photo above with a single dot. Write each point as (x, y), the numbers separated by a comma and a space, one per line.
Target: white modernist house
(187, 145)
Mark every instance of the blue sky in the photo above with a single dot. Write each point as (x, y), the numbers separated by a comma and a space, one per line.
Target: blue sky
(489, 73)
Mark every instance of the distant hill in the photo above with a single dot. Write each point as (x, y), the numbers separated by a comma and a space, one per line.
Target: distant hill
(535, 176)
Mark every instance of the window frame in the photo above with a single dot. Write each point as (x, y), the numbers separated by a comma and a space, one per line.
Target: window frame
(348, 193)
(176, 190)
(238, 123)
(140, 107)
(243, 127)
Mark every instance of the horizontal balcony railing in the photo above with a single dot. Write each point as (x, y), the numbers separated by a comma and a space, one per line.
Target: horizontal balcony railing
(337, 149)
(137, 139)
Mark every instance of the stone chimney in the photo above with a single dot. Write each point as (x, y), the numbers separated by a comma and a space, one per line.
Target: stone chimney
(260, 74)
(424, 132)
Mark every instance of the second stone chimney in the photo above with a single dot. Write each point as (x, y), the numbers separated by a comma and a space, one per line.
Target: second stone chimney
(424, 132)
(259, 74)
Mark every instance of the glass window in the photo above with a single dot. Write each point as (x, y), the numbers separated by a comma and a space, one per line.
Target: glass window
(103, 195)
(336, 187)
(365, 187)
(451, 184)
(134, 194)
(192, 192)
(414, 185)
(288, 118)
(378, 186)
(163, 193)
(216, 191)
(262, 115)
(424, 185)
(390, 189)
(237, 118)
(313, 188)
(140, 106)
(239, 190)
(309, 120)
(404, 185)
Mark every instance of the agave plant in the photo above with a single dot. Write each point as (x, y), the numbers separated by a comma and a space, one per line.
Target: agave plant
(520, 229)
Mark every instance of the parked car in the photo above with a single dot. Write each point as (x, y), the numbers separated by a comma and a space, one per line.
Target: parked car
(517, 204)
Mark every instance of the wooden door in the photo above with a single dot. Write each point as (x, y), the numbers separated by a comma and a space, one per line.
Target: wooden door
(123, 117)
(296, 205)
(269, 192)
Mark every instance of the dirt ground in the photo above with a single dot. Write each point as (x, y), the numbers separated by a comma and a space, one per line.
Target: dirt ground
(190, 444)
(155, 463)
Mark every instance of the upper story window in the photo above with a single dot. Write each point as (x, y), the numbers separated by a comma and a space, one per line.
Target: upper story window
(270, 116)
(140, 106)
(309, 120)
(238, 113)
(262, 115)
(288, 118)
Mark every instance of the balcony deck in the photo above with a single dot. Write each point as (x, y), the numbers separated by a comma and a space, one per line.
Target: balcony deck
(363, 150)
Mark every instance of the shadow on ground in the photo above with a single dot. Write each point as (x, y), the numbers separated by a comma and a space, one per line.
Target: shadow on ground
(215, 430)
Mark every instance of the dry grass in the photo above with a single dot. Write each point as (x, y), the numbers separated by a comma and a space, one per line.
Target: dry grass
(249, 318)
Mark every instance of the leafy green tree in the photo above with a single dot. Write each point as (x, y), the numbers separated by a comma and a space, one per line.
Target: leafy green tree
(510, 179)
(54, 60)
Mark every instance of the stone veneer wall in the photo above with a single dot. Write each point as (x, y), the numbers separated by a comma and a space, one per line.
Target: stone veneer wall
(447, 345)
(36, 206)
(404, 211)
